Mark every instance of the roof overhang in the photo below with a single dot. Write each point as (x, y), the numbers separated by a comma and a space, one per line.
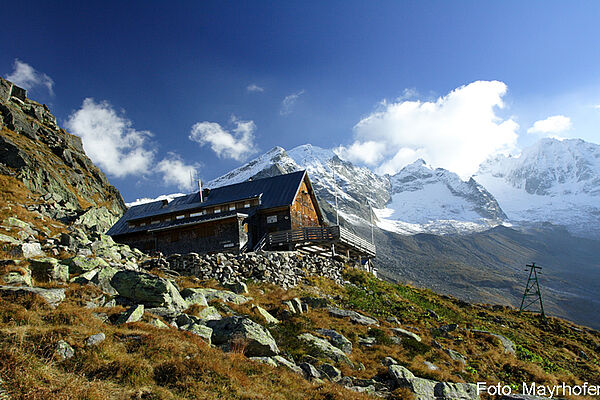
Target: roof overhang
(200, 222)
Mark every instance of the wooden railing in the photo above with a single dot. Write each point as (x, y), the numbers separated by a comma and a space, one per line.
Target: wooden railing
(322, 235)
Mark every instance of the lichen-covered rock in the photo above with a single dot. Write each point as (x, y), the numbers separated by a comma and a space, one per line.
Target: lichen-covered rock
(48, 269)
(337, 339)
(194, 296)
(425, 389)
(18, 277)
(353, 315)
(147, 289)
(52, 296)
(64, 351)
(133, 314)
(257, 340)
(30, 250)
(201, 330)
(404, 333)
(81, 264)
(223, 295)
(269, 319)
(103, 279)
(509, 346)
(331, 372)
(321, 348)
(96, 339)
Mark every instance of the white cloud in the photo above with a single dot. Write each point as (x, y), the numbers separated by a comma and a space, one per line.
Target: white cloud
(237, 144)
(110, 141)
(25, 76)
(176, 172)
(457, 131)
(597, 106)
(289, 101)
(554, 124)
(254, 88)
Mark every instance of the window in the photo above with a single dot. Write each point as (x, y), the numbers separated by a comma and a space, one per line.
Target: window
(180, 217)
(142, 224)
(271, 219)
(217, 210)
(196, 214)
(167, 219)
(246, 205)
(231, 207)
(155, 221)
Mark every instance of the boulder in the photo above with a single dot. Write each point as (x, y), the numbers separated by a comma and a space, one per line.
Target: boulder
(269, 319)
(425, 389)
(259, 342)
(95, 339)
(354, 316)
(63, 351)
(200, 330)
(133, 314)
(509, 346)
(21, 277)
(48, 269)
(99, 219)
(283, 362)
(337, 339)
(404, 333)
(103, 279)
(10, 240)
(238, 287)
(81, 264)
(52, 296)
(331, 372)
(209, 314)
(147, 289)
(158, 324)
(223, 295)
(321, 348)
(194, 296)
(265, 360)
(310, 372)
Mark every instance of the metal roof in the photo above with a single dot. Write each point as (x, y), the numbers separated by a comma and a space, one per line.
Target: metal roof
(276, 191)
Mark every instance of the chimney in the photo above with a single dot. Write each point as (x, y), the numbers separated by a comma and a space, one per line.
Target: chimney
(205, 192)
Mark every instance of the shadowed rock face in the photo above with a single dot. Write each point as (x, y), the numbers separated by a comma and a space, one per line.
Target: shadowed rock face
(53, 163)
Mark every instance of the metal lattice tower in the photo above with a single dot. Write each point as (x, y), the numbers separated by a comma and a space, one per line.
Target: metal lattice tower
(532, 290)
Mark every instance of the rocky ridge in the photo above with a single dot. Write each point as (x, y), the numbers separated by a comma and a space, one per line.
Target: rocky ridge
(52, 164)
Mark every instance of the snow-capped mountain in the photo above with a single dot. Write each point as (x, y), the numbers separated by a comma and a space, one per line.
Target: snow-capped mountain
(424, 199)
(417, 199)
(556, 181)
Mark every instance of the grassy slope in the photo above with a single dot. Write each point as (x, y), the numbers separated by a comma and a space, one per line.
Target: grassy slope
(141, 361)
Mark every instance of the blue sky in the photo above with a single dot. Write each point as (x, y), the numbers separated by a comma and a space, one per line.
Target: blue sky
(206, 85)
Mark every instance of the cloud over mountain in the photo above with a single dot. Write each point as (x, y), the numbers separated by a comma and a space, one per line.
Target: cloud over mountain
(457, 131)
(238, 143)
(26, 76)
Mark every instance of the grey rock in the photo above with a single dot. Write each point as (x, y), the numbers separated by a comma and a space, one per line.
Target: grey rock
(133, 314)
(209, 314)
(282, 362)
(456, 356)
(147, 289)
(48, 269)
(405, 333)
(159, 324)
(425, 389)
(194, 296)
(52, 296)
(31, 250)
(80, 264)
(259, 341)
(367, 341)
(310, 372)
(509, 346)
(238, 287)
(18, 278)
(321, 348)
(431, 366)
(265, 360)
(387, 361)
(10, 240)
(200, 330)
(331, 372)
(354, 316)
(95, 339)
(214, 294)
(103, 279)
(63, 350)
(337, 339)
(269, 319)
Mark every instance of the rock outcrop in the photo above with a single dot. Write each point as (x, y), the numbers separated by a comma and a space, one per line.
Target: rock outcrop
(52, 163)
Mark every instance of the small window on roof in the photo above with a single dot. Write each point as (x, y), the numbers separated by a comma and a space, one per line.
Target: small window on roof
(155, 221)
(217, 210)
(142, 224)
(247, 205)
(196, 214)
(180, 217)
(167, 219)
(231, 207)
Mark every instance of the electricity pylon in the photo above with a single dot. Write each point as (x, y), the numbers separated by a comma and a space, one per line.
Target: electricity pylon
(532, 289)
